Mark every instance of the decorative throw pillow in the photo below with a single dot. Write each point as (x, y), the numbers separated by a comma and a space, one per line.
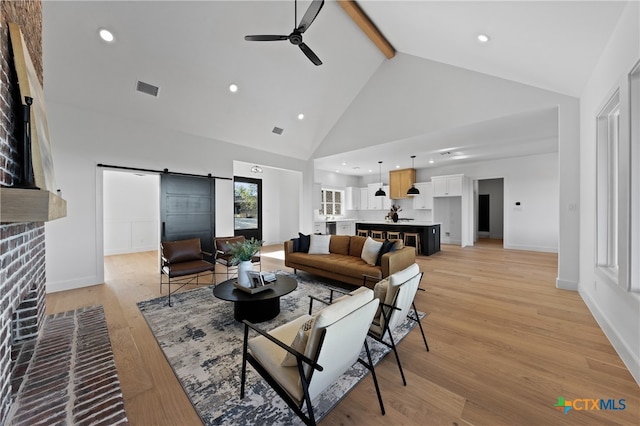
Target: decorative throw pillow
(305, 240)
(299, 343)
(296, 244)
(380, 292)
(319, 244)
(387, 246)
(370, 251)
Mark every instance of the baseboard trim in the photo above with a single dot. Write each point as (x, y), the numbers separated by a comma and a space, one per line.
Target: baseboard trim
(566, 284)
(531, 248)
(620, 346)
(54, 287)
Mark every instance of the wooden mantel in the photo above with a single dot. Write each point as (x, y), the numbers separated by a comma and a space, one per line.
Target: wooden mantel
(30, 205)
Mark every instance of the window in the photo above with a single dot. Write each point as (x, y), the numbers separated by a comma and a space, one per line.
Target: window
(332, 202)
(607, 202)
(634, 234)
(246, 205)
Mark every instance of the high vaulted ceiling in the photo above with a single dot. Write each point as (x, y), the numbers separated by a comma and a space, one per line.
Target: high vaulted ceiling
(193, 51)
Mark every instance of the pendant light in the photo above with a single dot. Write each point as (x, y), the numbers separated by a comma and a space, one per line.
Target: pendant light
(413, 190)
(380, 192)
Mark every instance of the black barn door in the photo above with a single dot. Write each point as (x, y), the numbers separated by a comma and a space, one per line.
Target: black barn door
(187, 209)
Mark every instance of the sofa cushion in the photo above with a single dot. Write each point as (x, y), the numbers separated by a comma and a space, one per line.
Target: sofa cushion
(319, 244)
(340, 244)
(336, 263)
(355, 245)
(370, 251)
(305, 241)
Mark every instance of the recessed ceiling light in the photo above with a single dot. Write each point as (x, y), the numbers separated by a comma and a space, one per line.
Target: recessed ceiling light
(300, 116)
(483, 38)
(431, 161)
(233, 88)
(344, 163)
(106, 35)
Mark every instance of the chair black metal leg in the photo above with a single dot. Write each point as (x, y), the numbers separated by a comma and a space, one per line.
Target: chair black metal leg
(395, 351)
(417, 318)
(244, 361)
(311, 419)
(373, 375)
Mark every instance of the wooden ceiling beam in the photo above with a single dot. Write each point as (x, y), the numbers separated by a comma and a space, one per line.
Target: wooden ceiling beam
(369, 28)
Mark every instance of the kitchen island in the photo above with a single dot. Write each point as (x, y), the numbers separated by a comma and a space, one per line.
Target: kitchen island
(429, 232)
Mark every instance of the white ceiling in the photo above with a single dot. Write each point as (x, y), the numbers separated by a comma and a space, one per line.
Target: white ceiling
(194, 50)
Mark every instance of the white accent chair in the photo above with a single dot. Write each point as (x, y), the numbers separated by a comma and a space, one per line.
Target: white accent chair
(397, 294)
(334, 339)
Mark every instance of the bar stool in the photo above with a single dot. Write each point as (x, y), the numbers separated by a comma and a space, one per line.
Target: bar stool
(362, 233)
(393, 235)
(416, 241)
(377, 234)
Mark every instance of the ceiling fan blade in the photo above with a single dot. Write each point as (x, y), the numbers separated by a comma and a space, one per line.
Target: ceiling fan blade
(312, 56)
(266, 37)
(310, 15)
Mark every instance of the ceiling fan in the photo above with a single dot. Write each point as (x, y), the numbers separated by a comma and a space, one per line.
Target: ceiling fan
(296, 36)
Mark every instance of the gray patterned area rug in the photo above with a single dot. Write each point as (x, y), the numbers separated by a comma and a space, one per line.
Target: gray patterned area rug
(203, 344)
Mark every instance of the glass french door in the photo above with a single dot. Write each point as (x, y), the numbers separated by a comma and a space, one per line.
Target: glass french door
(247, 207)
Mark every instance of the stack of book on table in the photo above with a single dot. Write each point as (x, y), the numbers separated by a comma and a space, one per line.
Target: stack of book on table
(259, 279)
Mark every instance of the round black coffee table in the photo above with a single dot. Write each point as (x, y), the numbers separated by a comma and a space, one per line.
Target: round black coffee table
(256, 307)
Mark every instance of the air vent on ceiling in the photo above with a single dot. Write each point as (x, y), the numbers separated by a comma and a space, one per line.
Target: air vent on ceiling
(277, 130)
(147, 88)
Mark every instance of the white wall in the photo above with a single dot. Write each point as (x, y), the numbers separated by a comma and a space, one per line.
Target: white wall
(531, 180)
(281, 196)
(410, 96)
(616, 310)
(81, 139)
(131, 212)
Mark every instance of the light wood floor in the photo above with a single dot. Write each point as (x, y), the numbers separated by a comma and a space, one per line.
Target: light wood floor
(505, 344)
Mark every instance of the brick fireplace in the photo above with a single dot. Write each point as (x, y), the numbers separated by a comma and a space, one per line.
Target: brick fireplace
(56, 369)
(22, 246)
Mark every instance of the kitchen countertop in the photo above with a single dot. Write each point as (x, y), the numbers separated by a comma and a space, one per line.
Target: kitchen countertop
(400, 222)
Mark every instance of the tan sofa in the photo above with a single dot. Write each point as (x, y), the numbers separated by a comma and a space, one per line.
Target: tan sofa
(343, 263)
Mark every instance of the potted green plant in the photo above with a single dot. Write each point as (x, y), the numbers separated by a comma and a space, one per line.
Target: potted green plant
(241, 255)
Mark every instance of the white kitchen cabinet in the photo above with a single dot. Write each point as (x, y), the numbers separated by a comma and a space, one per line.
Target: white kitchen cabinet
(447, 186)
(364, 198)
(352, 196)
(378, 203)
(386, 201)
(319, 228)
(424, 200)
(346, 227)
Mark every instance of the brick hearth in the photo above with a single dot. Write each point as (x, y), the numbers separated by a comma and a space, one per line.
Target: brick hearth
(69, 374)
